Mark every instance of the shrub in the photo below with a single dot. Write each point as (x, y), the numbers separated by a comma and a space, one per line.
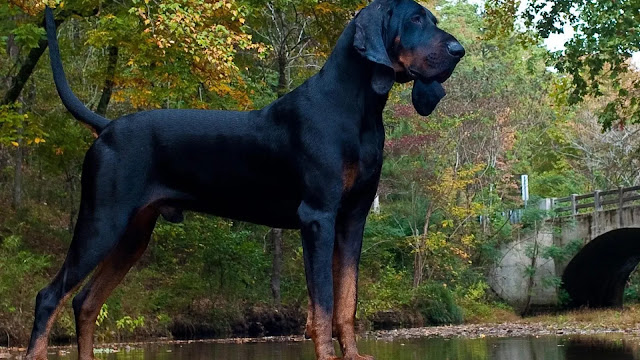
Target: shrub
(437, 304)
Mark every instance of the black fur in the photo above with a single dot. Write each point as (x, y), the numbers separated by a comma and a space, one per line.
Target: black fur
(71, 102)
(311, 160)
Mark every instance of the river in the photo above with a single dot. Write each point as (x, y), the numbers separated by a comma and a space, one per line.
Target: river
(613, 347)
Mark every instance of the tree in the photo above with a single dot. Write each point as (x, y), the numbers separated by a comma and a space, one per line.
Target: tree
(597, 58)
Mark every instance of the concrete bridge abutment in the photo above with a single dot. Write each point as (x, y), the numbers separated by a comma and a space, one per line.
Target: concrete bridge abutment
(580, 260)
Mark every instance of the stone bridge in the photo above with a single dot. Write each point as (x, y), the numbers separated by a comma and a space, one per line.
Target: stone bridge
(582, 255)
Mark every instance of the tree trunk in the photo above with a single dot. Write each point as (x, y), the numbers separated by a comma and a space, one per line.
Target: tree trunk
(14, 51)
(418, 266)
(283, 81)
(276, 234)
(71, 183)
(276, 273)
(20, 79)
(17, 176)
(532, 271)
(108, 82)
(419, 258)
(27, 67)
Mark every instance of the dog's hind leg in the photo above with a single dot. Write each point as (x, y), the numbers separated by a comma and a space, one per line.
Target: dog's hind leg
(94, 237)
(112, 270)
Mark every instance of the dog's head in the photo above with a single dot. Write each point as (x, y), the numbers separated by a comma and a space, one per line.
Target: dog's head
(403, 41)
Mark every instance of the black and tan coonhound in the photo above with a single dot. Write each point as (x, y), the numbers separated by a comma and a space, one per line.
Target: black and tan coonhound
(311, 160)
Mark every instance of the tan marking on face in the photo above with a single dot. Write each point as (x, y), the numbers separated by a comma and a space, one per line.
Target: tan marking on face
(414, 59)
(349, 175)
(397, 66)
(406, 58)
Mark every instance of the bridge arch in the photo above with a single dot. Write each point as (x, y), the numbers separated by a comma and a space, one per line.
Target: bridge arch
(597, 275)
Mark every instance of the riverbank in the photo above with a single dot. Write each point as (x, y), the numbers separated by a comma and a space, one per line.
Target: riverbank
(473, 331)
(578, 322)
(518, 329)
(582, 322)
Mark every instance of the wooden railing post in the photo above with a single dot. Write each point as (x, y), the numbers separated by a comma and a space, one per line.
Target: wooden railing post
(620, 204)
(597, 206)
(574, 210)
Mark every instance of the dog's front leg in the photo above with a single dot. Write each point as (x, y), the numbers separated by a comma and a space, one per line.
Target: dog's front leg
(318, 232)
(346, 258)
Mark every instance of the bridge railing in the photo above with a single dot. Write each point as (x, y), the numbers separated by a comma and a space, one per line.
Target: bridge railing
(597, 200)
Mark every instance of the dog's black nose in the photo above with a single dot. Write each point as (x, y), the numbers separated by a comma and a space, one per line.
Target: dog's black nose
(455, 49)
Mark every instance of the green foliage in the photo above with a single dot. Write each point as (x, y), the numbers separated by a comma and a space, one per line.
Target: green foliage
(391, 291)
(632, 290)
(437, 304)
(563, 297)
(28, 35)
(19, 266)
(23, 273)
(16, 127)
(597, 57)
(562, 253)
(130, 324)
(209, 257)
(533, 216)
(102, 315)
(473, 300)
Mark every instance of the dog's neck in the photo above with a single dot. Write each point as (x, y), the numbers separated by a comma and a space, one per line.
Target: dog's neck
(348, 72)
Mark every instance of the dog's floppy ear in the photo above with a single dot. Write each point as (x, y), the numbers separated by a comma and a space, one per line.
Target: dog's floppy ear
(370, 25)
(426, 96)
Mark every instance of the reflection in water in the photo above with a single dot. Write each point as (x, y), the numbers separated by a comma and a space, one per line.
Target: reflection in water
(544, 348)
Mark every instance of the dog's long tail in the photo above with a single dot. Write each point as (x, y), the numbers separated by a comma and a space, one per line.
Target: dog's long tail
(69, 99)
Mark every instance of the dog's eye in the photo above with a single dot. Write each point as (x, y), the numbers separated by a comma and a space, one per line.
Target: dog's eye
(416, 19)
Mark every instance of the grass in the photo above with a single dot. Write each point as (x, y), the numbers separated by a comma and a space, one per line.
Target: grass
(627, 317)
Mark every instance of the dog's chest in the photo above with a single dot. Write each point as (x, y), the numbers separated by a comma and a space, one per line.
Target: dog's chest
(369, 164)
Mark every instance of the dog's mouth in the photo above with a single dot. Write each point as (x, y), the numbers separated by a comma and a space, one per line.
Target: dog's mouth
(440, 77)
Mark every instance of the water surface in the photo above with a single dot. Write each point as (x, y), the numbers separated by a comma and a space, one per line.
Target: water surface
(531, 348)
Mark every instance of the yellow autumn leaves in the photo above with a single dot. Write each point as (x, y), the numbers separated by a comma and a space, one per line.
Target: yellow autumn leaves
(210, 33)
(37, 140)
(34, 7)
(446, 193)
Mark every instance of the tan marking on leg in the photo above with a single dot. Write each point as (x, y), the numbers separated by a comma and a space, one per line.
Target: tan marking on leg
(308, 329)
(345, 300)
(108, 276)
(321, 334)
(349, 175)
(40, 347)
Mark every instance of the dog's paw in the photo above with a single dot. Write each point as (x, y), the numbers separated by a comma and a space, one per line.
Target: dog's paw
(359, 357)
(36, 356)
